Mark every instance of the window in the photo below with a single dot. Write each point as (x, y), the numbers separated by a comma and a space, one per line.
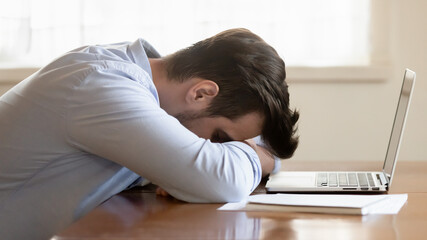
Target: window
(304, 32)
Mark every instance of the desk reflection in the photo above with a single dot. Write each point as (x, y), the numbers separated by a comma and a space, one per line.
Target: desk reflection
(276, 225)
(147, 216)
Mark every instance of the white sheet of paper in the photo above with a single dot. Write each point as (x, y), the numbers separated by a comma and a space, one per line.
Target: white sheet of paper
(233, 206)
(391, 205)
(380, 204)
(318, 200)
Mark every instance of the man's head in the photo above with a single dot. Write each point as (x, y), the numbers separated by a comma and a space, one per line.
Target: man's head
(244, 80)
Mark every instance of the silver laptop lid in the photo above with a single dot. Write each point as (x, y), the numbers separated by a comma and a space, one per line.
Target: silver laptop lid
(399, 124)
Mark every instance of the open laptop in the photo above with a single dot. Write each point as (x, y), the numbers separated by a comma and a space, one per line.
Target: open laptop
(353, 181)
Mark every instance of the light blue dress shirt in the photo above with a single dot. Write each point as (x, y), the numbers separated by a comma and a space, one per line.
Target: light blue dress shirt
(86, 127)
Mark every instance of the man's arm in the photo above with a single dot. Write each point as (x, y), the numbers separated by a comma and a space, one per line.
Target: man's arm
(266, 159)
(119, 119)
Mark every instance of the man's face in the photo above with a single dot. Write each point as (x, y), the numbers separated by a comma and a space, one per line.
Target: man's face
(221, 129)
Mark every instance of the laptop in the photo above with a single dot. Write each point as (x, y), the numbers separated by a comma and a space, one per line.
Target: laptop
(352, 181)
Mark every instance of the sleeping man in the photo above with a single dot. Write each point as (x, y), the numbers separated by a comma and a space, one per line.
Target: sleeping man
(100, 119)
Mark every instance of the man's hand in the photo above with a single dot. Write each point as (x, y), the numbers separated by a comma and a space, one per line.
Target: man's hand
(265, 157)
(160, 191)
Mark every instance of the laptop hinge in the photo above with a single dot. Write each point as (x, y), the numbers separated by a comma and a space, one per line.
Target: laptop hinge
(387, 178)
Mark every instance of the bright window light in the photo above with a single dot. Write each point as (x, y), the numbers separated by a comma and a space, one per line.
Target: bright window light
(304, 32)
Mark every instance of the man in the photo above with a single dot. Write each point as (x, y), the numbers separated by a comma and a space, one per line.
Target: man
(94, 121)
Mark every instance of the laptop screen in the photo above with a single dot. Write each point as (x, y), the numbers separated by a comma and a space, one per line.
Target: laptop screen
(399, 123)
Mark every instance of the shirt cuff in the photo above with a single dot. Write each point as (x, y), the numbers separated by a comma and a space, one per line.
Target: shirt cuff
(277, 165)
(277, 161)
(254, 161)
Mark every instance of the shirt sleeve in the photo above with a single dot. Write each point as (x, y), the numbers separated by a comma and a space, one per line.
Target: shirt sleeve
(117, 118)
(277, 161)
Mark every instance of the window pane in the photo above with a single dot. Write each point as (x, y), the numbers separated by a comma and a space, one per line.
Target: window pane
(304, 32)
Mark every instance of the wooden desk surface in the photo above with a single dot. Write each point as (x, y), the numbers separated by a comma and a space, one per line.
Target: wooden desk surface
(140, 214)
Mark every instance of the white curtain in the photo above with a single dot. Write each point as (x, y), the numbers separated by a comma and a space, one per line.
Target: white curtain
(304, 32)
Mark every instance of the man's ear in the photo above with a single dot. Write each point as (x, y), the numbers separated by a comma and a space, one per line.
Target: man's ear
(200, 95)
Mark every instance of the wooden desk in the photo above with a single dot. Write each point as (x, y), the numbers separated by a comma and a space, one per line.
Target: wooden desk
(140, 214)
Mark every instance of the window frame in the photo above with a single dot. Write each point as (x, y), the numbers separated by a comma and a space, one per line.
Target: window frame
(378, 70)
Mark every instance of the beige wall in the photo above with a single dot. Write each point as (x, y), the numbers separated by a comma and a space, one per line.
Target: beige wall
(351, 120)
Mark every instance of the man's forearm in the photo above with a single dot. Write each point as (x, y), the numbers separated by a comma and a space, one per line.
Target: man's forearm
(266, 159)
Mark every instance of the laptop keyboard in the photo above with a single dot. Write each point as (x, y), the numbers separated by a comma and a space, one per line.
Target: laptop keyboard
(344, 179)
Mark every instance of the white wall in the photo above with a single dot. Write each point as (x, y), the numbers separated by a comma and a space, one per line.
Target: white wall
(352, 121)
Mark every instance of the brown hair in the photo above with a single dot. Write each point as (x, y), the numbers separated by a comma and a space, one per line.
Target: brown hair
(251, 78)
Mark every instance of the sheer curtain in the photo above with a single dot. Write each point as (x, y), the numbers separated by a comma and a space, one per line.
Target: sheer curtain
(304, 32)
